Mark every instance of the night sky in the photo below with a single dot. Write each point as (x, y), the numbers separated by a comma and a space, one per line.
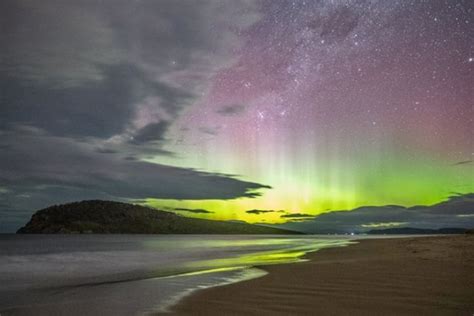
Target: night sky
(262, 111)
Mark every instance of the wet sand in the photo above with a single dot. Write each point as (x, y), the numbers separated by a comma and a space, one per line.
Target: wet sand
(406, 276)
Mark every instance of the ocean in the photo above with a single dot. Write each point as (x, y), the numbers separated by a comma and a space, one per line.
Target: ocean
(133, 274)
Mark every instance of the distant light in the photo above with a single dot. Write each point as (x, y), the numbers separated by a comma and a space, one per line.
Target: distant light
(352, 234)
(471, 59)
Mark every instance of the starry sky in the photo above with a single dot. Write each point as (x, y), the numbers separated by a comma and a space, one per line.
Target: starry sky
(260, 111)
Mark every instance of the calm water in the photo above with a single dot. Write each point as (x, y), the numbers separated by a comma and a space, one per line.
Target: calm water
(132, 274)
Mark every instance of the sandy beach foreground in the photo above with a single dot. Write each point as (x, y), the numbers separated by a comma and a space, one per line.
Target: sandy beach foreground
(406, 276)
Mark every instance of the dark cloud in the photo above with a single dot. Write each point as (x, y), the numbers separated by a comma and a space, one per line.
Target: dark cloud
(62, 43)
(193, 210)
(296, 215)
(62, 170)
(460, 163)
(208, 130)
(73, 111)
(151, 133)
(258, 212)
(299, 219)
(100, 110)
(230, 110)
(106, 151)
(91, 69)
(61, 162)
(91, 88)
(457, 211)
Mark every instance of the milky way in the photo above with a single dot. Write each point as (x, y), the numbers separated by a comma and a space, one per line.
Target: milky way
(272, 107)
(342, 104)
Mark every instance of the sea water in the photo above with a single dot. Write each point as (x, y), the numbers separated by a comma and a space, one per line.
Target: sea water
(132, 274)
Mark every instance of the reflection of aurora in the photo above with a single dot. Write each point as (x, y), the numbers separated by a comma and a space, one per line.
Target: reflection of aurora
(239, 251)
(293, 254)
(161, 268)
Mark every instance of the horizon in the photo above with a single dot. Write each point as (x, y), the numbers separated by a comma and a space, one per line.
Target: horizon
(316, 115)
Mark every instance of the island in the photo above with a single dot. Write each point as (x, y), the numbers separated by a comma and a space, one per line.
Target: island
(110, 217)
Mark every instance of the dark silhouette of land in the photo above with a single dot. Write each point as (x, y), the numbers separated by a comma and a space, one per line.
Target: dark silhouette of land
(417, 231)
(107, 217)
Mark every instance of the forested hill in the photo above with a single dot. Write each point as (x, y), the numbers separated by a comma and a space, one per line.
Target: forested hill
(108, 217)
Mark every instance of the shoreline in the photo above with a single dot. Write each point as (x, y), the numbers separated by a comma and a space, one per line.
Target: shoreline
(243, 274)
(247, 273)
(430, 275)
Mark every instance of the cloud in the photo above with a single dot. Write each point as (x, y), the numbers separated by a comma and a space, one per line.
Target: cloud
(296, 215)
(90, 89)
(194, 210)
(460, 163)
(456, 211)
(208, 130)
(151, 132)
(258, 212)
(106, 150)
(61, 162)
(50, 38)
(230, 110)
(384, 225)
(93, 69)
(62, 170)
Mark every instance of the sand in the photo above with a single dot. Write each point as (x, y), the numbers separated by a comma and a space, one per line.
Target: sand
(407, 276)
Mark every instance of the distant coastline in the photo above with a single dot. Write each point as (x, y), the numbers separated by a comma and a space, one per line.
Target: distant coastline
(419, 231)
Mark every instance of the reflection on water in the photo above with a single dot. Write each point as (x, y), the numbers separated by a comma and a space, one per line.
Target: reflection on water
(283, 255)
(130, 274)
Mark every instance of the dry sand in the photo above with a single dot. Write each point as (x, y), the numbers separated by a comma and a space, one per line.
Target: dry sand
(409, 276)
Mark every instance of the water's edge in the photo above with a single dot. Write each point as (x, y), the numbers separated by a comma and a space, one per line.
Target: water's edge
(245, 273)
(241, 274)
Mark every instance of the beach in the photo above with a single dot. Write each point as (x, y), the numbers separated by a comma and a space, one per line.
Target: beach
(399, 276)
